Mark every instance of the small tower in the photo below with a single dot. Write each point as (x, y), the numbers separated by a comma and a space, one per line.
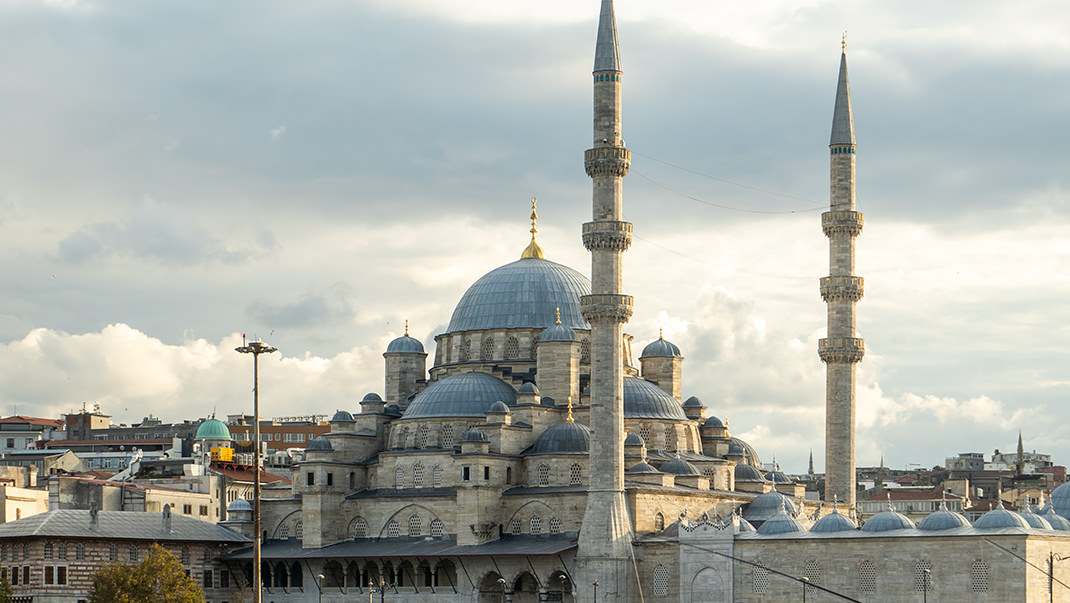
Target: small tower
(558, 362)
(662, 363)
(406, 365)
(841, 350)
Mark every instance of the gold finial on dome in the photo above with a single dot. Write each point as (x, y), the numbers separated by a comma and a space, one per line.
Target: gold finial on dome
(569, 417)
(533, 250)
(406, 328)
(843, 44)
(661, 333)
(558, 316)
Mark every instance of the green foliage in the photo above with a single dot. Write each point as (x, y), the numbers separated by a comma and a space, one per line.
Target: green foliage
(160, 578)
(5, 591)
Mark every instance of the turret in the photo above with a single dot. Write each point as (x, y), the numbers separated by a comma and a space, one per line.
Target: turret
(662, 363)
(558, 362)
(406, 365)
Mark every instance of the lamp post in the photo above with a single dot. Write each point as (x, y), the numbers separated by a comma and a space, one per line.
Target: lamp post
(925, 573)
(501, 583)
(256, 348)
(319, 586)
(1052, 558)
(806, 583)
(595, 585)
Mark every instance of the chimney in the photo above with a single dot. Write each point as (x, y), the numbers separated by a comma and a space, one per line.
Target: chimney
(167, 518)
(94, 525)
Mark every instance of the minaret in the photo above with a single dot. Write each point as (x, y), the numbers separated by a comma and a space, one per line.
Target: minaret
(841, 350)
(604, 552)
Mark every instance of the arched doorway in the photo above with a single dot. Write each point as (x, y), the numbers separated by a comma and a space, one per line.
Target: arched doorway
(491, 588)
(708, 587)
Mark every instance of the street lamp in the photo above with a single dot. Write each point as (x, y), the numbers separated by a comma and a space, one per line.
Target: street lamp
(319, 586)
(595, 585)
(925, 573)
(256, 348)
(501, 583)
(806, 583)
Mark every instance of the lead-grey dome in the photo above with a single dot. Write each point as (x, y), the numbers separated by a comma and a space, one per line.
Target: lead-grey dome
(642, 468)
(563, 438)
(713, 422)
(693, 402)
(634, 439)
(342, 416)
(834, 522)
(558, 333)
(781, 523)
(464, 395)
(1060, 501)
(1056, 522)
(680, 467)
(498, 406)
(766, 505)
(745, 526)
(405, 345)
(644, 400)
(1034, 520)
(320, 444)
(524, 293)
(748, 473)
(943, 519)
(661, 348)
(475, 435)
(528, 388)
(999, 518)
(886, 521)
(238, 505)
(371, 397)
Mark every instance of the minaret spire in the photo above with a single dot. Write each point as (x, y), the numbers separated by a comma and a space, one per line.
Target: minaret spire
(841, 350)
(604, 549)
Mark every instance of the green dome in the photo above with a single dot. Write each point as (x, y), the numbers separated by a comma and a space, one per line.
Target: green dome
(213, 429)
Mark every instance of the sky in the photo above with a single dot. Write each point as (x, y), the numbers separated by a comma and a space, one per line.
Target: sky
(173, 175)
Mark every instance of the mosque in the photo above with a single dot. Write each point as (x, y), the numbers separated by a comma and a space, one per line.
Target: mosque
(538, 460)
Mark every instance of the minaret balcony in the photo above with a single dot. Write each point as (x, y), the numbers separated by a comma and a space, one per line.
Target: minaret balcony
(841, 288)
(607, 161)
(842, 222)
(611, 235)
(607, 307)
(841, 350)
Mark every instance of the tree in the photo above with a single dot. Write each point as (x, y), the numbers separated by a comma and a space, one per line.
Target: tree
(5, 591)
(160, 578)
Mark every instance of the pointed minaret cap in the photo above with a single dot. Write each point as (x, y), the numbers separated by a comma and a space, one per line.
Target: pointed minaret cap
(843, 123)
(607, 50)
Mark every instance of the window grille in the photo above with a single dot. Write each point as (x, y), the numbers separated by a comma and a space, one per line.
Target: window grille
(447, 436)
(48, 550)
(418, 476)
(575, 474)
(404, 442)
(667, 438)
(661, 581)
(535, 347)
(284, 532)
(185, 555)
(516, 527)
(760, 582)
(437, 527)
(436, 476)
(555, 525)
(979, 577)
(393, 529)
(487, 352)
(113, 553)
(360, 528)
(133, 554)
(3, 553)
(535, 526)
(544, 475)
(644, 432)
(867, 577)
(399, 478)
(512, 348)
(421, 435)
(585, 351)
(659, 522)
(299, 530)
(708, 472)
(812, 572)
(415, 525)
(79, 552)
(923, 580)
(466, 350)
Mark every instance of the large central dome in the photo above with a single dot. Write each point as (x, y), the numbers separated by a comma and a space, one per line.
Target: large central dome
(525, 293)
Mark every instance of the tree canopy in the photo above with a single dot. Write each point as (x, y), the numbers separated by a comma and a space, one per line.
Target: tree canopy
(160, 578)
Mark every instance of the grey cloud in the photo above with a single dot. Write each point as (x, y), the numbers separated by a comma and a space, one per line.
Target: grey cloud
(311, 310)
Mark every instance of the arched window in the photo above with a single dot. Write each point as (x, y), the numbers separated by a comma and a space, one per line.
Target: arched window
(544, 475)
(708, 472)
(284, 531)
(399, 478)
(659, 522)
(417, 475)
(133, 553)
(421, 435)
(487, 351)
(867, 576)
(555, 525)
(79, 552)
(512, 348)
(923, 580)
(575, 474)
(297, 577)
(535, 526)
(979, 577)
(437, 527)
(279, 575)
(535, 347)
(585, 351)
(48, 550)
(466, 350)
(436, 476)
(393, 529)
(62, 550)
(404, 442)
(447, 436)
(185, 555)
(644, 432)
(360, 528)
(812, 572)
(760, 582)
(299, 530)
(661, 581)
(508, 475)
(113, 553)
(516, 527)
(415, 526)
(667, 440)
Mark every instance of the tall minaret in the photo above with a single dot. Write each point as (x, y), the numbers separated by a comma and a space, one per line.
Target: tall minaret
(604, 552)
(841, 350)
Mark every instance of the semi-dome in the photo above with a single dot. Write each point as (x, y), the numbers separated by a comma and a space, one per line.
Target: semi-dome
(661, 348)
(680, 467)
(239, 505)
(693, 402)
(558, 332)
(833, 522)
(475, 435)
(320, 444)
(464, 395)
(748, 473)
(886, 521)
(524, 293)
(781, 523)
(405, 345)
(634, 439)
(766, 505)
(564, 438)
(645, 400)
(342, 416)
(213, 429)
(642, 468)
(943, 519)
(999, 518)
(1056, 522)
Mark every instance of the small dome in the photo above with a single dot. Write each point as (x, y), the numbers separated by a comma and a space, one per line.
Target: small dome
(745, 526)
(642, 468)
(342, 416)
(943, 519)
(834, 522)
(680, 467)
(1060, 501)
(693, 402)
(558, 333)
(462, 395)
(372, 397)
(644, 400)
(392, 410)
(781, 523)
(528, 388)
(777, 477)
(1056, 522)
(498, 406)
(475, 435)
(713, 422)
(766, 505)
(563, 438)
(405, 345)
(749, 453)
(320, 444)
(239, 505)
(748, 473)
(734, 449)
(999, 518)
(886, 521)
(634, 439)
(661, 348)
(213, 429)
(1034, 520)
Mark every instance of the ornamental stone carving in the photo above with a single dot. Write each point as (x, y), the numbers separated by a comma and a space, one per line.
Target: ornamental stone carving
(841, 288)
(607, 161)
(842, 222)
(607, 307)
(841, 349)
(615, 236)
